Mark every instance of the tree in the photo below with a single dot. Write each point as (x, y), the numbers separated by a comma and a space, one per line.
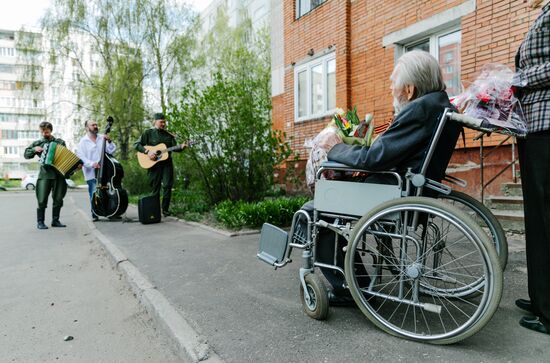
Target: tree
(229, 116)
(138, 44)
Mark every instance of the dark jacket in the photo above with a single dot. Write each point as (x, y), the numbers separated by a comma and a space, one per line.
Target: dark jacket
(406, 141)
(46, 171)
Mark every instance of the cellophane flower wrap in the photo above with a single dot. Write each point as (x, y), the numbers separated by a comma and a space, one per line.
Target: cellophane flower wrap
(320, 146)
(491, 98)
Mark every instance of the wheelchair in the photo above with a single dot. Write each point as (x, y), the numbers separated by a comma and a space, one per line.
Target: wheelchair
(418, 267)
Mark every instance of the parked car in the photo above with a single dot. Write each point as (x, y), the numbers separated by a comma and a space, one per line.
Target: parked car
(29, 182)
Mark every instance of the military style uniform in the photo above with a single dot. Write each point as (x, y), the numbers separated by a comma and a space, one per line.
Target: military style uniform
(49, 180)
(162, 173)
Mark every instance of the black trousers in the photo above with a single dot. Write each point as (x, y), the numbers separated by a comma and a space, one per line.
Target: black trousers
(162, 174)
(534, 158)
(58, 188)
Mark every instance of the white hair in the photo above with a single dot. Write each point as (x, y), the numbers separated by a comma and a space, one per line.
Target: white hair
(419, 69)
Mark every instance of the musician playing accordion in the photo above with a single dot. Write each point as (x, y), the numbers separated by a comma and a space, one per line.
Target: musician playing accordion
(49, 179)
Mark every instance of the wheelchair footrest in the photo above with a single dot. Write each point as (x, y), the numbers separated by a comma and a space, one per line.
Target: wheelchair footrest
(273, 244)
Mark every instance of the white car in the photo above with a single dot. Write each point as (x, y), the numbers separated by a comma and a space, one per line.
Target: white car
(29, 182)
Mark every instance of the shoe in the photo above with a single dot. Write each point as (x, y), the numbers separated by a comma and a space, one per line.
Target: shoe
(115, 217)
(166, 214)
(56, 211)
(534, 323)
(56, 223)
(340, 300)
(95, 218)
(40, 218)
(525, 305)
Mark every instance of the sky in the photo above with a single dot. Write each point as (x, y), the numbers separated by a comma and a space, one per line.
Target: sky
(28, 12)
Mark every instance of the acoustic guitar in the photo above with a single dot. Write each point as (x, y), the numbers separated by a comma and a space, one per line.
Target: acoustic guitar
(161, 152)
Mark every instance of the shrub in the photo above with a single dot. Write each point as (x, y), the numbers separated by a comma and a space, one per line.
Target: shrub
(135, 179)
(279, 212)
(229, 118)
(191, 204)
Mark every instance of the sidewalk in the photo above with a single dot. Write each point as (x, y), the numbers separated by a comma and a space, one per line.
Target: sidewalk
(57, 283)
(249, 313)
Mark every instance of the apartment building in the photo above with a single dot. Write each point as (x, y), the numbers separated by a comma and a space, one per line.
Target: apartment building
(340, 53)
(35, 88)
(257, 10)
(21, 99)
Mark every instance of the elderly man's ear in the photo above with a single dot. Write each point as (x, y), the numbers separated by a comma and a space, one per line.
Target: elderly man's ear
(410, 91)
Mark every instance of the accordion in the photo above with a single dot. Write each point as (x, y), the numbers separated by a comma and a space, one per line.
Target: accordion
(61, 158)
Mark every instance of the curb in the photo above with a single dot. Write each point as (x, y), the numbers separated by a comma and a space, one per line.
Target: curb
(216, 230)
(190, 345)
(209, 228)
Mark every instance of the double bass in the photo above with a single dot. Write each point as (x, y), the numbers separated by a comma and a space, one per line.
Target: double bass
(109, 199)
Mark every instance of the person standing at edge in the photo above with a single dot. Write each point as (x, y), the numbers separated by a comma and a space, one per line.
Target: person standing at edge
(162, 173)
(533, 74)
(89, 151)
(49, 179)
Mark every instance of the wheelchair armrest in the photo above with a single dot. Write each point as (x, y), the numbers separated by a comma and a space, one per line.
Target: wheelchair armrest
(334, 164)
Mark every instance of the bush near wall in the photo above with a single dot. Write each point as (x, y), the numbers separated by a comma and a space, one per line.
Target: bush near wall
(135, 179)
(236, 215)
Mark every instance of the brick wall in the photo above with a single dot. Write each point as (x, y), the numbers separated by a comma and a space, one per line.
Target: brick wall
(354, 29)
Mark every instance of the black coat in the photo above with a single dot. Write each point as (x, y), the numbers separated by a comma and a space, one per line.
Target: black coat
(405, 143)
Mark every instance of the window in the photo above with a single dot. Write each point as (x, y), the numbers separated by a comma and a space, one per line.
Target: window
(305, 6)
(7, 52)
(10, 150)
(315, 88)
(7, 68)
(445, 47)
(9, 134)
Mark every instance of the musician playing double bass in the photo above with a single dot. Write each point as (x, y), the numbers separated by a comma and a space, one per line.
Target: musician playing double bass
(49, 180)
(162, 173)
(89, 151)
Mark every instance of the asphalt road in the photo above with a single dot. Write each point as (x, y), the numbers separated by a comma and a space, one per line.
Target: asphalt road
(58, 283)
(251, 313)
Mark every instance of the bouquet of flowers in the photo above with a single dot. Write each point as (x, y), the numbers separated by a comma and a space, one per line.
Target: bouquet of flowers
(351, 129)
(344, 127)
(491, 98)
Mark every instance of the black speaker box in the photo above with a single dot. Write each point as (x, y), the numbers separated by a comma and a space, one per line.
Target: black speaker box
(149, 209)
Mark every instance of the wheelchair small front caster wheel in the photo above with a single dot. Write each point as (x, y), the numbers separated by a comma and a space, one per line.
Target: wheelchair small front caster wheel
(317, 306)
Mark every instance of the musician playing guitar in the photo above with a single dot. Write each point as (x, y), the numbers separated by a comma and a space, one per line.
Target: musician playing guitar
(49, 180)
(162, 172)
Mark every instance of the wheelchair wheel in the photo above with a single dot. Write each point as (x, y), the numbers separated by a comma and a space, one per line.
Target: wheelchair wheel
(317, 306)
(483, 216)
(433, 274)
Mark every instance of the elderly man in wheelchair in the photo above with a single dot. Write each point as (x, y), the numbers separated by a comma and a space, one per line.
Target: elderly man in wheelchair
(417, 267)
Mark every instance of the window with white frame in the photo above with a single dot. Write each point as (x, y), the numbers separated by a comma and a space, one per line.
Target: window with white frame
(305, 6)
(445, 47)
(315, 88)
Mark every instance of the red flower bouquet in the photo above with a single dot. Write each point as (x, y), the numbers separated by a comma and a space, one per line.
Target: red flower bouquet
(491, 98)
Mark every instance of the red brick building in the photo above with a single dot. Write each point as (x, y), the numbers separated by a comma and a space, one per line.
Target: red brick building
(340, 53)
